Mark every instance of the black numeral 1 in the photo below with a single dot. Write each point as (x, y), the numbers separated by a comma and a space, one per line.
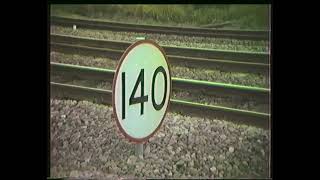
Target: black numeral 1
(123, 95)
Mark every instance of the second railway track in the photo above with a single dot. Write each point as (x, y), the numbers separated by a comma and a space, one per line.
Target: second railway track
(233, 61)
(204, 32)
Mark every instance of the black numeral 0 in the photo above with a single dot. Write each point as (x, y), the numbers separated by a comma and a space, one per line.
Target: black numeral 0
(155, 105)
(143, 98)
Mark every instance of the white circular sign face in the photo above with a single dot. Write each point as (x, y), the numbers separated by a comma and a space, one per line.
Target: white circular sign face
(141, 90)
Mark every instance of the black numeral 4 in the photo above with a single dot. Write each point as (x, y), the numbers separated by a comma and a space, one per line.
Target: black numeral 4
(143, 98)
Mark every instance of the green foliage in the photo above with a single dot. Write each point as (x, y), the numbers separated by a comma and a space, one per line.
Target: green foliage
(242, 16)
(251, 15)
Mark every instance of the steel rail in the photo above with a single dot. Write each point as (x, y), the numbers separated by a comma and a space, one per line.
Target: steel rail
(187, 31)
(233, 66)
(241, 56)
(58, 90)
(91, 73)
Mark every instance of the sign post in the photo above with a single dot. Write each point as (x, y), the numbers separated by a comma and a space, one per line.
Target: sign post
(141, 92)
(139, 150)
(139, 147)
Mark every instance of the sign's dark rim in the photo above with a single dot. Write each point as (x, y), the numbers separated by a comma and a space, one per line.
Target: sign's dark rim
(127, 136)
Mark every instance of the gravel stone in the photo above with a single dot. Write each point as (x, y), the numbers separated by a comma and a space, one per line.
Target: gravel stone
(131, 160)
(213, 169)
(223, 137)
(147, 150)
(231, 149)
(97, 151)
(74, 174)
(221, 157)
(156, 171)
(180, 163)
(193, 172)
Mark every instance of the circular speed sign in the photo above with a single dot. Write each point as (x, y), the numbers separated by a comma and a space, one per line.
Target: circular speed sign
(141, 90)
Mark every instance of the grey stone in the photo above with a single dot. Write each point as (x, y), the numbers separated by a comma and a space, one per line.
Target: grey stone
(220, 167)
(221, 173)
(156, 171)
(131, 160)
(167, 166)
(235, 167)
(193, 172)
(65, 144)
(191, 164)
(178, 150)
(245, 163)
(173, 140)
(147, 150)
(179, 163)
(188, 156)
(223, 137)
(229, 168)
(165, 171)
(213, 169)
(175, 119)
(74, 174)
(231, 149)
(204, 158)
(177, 174)
(210, 157)
(160, 135)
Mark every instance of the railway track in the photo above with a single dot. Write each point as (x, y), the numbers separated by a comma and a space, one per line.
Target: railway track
(241, 61)
(204, 32)
(250, 57)
(59, 90)
(211, 88)
(185, 107)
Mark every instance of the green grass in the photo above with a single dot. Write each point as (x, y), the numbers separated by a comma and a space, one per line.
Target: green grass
(240, 16)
